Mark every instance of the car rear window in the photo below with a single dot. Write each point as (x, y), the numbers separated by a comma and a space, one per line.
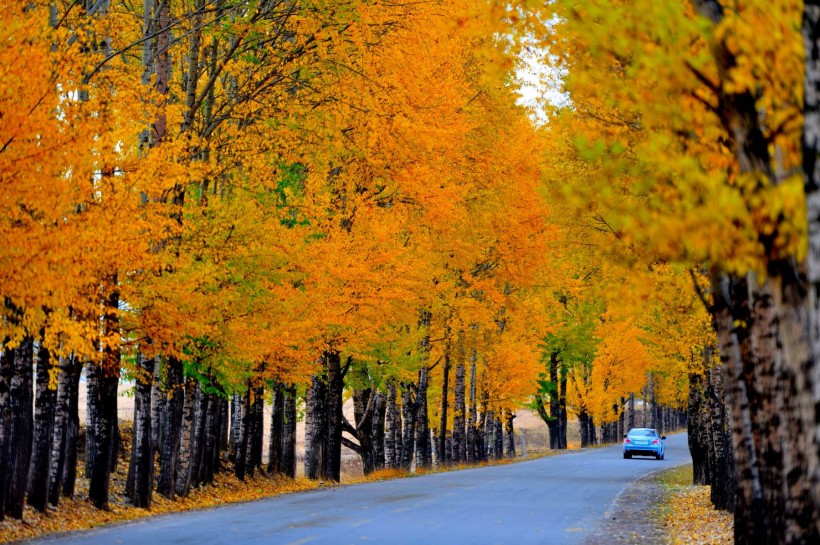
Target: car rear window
(642, 433)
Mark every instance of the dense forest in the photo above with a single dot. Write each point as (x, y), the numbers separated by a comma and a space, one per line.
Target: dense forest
(224, 205)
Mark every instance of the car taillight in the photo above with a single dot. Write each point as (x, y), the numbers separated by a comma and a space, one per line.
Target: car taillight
(655, 442)
(627, 441)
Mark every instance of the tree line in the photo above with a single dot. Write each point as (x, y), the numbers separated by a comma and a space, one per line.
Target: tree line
(695, 126)
(231, 203)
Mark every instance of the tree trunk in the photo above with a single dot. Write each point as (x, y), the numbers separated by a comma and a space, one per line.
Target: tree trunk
(159, 408)
(550, 421)
(593, 438)
(315, 428)
(488, 417)
(102, 403)
(68, 367)
(187, 439)
(236, 425)
(289, 433)
(18, 435)
(408, 413)
(445, 387)
(392, 429)
(810, 373)
(472, 414)
(277, 426)
(335, 388)
(377, 429)
(459, 414)
(731, 305)
(6, 371)
(509, 434)
(583, 423)
(72, 430)
(210, 457)
(174, 405)
(140, 482)
(255, 429)
(422, 441)
(498, 437)
(363, 414)
(44, 416)
(101, 434)
(240, 464)
(485, 442)
(697, 433)
(562, 411)
(721, 457)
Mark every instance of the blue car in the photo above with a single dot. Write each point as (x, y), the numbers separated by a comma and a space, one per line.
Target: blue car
(644, 442)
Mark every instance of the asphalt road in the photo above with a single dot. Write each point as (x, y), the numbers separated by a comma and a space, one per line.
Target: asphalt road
(552, 501)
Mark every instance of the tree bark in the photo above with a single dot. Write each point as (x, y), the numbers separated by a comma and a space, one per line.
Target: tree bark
(459, 414)
(169, 450)
(335, 388)
(392, 429)
(562, 411)
(61, 441)
(255, 429)
(277, 426)
(363, 407)
(140, 482)
(731, 308)
(408, 413)
(583, 423)
(289, 433)
(803, 377)
(210, 457)
(102, 403)
(721, 456)
(472, 415)
(422, 440)
(697, 430)
(315, 428)
(44, 416)
(240, 465)
(72, 430)
(509, 434)
(6, 371)
(187, 439)
(377, 428)
(18, 434)
(445, 386)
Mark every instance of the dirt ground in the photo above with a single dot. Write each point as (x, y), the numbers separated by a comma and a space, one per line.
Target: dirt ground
(636, 517)
(530, 431)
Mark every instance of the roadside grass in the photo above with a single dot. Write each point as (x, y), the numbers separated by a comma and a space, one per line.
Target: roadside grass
(688, 515)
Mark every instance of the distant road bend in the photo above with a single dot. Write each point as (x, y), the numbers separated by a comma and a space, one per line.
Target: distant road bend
(549, 501)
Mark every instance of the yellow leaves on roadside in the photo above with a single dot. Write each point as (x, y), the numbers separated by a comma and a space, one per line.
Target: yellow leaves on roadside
(693, 520)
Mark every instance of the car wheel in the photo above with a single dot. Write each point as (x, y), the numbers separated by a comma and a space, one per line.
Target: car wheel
(627, 456)
(658, 457)
(663, 456)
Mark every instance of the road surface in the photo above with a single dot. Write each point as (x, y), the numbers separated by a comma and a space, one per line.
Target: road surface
(553, 501)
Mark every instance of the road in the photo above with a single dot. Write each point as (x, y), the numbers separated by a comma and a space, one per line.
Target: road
(554, 500)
